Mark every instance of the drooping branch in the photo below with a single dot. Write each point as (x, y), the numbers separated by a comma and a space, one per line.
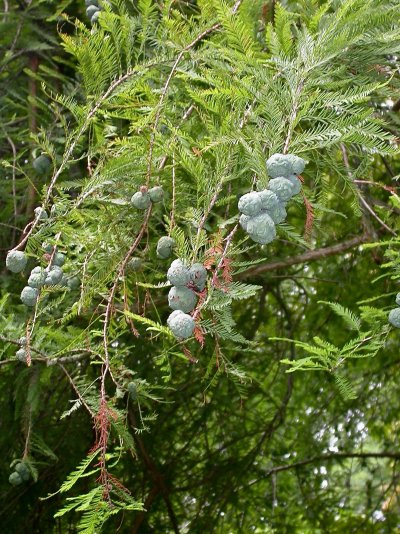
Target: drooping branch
(104, 414)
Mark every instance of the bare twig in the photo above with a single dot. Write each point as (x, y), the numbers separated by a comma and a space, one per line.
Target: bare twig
(306, 257)
(388, 167)
(332, 456)
(82, 400)
(20, 344)
(360, 196)
(11, 226)
(14, 189)
(10, 51)
(81, 353)
(388, 188)
(172, 215)
(372, 212)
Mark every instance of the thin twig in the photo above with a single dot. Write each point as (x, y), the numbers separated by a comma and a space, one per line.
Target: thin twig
(120, 272)
(207, 212)
(228, 241)
(185, 116)
(82, 353)
(333, 456)
(293, 116)
(389, 188)
(360, 196)
(14, 189)
(20, 344)
(372, 212)
(172, 215)
(28, 435)
(33, 125)
(11, 226)
(82, 400)
(306, 257)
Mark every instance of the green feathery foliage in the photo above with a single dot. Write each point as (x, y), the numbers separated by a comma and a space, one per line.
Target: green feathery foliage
(193, 97)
